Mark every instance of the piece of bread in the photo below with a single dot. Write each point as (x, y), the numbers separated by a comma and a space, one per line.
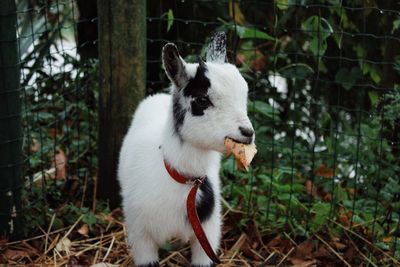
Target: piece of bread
(244, 154)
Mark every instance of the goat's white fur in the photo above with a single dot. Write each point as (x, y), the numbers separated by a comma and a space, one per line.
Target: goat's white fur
(154, 204)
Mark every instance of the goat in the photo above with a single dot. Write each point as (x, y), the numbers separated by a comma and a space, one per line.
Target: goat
(186, 129)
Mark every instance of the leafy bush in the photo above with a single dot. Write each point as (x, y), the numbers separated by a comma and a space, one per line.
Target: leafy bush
(61, 133)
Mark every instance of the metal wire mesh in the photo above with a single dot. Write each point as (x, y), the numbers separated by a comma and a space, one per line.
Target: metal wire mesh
(58, 113)
(324, 100)
(318, 108)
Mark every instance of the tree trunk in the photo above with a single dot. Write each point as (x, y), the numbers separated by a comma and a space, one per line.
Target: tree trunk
(122, 55)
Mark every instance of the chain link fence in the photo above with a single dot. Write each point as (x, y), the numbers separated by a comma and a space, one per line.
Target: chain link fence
(324, 100)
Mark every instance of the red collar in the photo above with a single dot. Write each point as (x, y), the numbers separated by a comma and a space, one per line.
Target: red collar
(183, 179)
(191, 209)
(175, 174)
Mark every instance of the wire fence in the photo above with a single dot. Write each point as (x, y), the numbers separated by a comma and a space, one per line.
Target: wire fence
(320, 98)
(59, 95)
(324, 100)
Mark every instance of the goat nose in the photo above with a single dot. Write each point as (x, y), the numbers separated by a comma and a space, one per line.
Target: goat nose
(248, 132)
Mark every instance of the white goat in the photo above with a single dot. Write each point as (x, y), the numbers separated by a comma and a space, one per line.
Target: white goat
(186, 129)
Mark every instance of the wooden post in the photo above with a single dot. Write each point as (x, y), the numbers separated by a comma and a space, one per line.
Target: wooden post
(10, 123)
(122, 55)
(87, 29)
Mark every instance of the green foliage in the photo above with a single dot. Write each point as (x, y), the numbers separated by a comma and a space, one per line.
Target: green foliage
(278, 194)
(170, 16)
(61, 120)
(56, 114)
(319, 30)
(296, 71)
(328, 137)
(55, 204)
(59, 115)
(71, 213)
(262, 108)
(327, 141)
(245, 32)
(42, 26)
(347, 78)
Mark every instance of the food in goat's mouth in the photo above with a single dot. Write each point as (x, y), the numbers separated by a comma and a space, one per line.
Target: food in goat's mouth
(243, 153)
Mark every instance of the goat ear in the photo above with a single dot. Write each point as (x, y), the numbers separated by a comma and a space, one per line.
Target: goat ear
(174, 65)
(217, 48)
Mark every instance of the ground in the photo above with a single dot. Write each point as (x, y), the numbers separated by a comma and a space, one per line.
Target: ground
(105, 245)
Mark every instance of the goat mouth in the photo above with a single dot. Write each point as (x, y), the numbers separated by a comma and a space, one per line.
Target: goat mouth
(245, 142)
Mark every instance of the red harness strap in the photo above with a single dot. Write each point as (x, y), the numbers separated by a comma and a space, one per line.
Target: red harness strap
(192, 211)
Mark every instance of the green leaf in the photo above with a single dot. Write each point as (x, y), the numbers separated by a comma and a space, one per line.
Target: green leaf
(261, 107)
(45, 116)
(318, 46)
(322, 67)
(284, 196)
(282, 4)
(338, 37)
(341, 193)
(357, 219)
(321, 211)
(360, 51)
(296, 70)
(341, 77)
(317, 27)
(373, 73)
(319, 30)
(373, 97)
(365, 67)
(170, 16)
(383, 246)
(247, 32)
(396, 24)
(89, 219)
(264, 177)
(229, 165)
(347, 78)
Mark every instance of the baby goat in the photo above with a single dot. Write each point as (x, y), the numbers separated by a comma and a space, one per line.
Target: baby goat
(186, 130)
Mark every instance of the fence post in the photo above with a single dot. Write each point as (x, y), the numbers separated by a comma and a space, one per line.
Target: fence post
(10, 122)
(122, 55)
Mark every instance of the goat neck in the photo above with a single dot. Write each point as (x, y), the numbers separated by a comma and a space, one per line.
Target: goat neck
(185, 157)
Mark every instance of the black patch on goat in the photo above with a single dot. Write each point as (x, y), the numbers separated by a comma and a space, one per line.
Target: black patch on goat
(206, 204)
(198, 87)
(178, 113)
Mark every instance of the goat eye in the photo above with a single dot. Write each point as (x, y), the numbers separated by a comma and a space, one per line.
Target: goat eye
(203, 101)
